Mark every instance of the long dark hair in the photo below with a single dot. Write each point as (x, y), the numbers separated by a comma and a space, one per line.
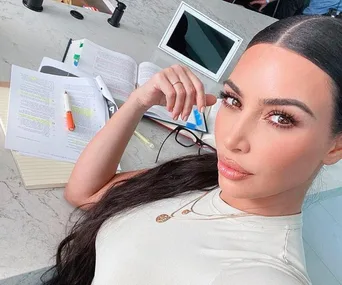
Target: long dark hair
(317, 38)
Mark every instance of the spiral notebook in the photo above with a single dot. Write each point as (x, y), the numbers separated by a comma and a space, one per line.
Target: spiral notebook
(36, 173)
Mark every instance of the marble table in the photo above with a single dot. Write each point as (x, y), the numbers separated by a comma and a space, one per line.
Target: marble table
(33, 222)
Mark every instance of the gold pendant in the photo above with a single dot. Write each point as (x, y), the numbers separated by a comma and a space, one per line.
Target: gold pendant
(185, 212)
(162, 218)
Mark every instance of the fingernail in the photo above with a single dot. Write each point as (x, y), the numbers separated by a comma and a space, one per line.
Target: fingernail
(202, 109)
(185, 118)
(175, 118)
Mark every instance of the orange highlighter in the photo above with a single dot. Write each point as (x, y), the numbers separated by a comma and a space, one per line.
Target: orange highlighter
(69, 117)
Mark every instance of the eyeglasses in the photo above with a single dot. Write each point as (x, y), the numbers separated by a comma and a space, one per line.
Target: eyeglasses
(187, 138)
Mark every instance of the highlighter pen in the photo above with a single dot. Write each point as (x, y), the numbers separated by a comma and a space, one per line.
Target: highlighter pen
(143, 139)
(67, 108)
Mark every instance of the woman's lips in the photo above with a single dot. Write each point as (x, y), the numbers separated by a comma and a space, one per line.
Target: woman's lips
(232, 170)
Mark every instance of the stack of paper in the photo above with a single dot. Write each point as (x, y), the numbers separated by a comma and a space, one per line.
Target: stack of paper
(36, 173)
(33, 119)
(36, 117)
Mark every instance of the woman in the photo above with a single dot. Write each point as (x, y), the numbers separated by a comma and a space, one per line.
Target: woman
(231, 218)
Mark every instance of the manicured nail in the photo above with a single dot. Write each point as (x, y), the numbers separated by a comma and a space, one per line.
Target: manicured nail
(203, 109)
(175, 118)
(185, 118)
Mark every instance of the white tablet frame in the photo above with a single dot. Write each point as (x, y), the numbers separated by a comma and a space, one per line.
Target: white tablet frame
(163, 43)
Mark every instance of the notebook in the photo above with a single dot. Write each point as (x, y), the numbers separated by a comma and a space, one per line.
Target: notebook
(36, 173)
(122, 75)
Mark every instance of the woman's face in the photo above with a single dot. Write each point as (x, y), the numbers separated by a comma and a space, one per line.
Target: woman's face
(274, 124)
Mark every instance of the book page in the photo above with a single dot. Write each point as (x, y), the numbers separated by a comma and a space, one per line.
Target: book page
(118, 71)
(146, 71)
(36, 119)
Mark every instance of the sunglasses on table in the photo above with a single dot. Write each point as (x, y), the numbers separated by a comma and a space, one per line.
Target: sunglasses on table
(187, 138)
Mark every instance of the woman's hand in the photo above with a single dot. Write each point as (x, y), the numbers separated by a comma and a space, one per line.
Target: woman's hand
(262, 3)
(177, 88)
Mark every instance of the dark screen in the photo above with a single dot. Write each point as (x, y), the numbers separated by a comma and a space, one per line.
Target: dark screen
(199, 42)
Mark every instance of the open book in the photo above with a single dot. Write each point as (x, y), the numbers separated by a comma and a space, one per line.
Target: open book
(122, 75)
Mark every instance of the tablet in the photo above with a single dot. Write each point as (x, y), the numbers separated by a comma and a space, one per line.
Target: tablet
(200, 42)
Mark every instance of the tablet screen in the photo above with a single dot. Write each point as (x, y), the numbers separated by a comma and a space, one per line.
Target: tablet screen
(200, 42)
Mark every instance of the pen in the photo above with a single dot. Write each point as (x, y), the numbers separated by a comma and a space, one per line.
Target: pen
(143, 139)
(69, 117)
(67, 50)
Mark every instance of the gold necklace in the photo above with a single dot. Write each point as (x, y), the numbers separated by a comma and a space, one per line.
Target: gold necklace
(165, 217)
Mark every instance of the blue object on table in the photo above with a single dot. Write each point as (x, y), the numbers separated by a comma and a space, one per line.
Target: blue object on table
(198, 117)
(190, 126)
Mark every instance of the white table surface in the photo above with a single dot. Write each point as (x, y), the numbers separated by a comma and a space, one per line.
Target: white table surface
(33, 222)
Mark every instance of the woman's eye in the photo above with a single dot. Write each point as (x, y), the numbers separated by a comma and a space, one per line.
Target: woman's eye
(229, 100)
(281, 120)
(233, 102)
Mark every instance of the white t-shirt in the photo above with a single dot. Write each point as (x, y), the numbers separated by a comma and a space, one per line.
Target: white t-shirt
(134, 249)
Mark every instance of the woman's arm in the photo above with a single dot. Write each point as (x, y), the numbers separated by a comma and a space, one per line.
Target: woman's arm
(95, 170)
(176, 87)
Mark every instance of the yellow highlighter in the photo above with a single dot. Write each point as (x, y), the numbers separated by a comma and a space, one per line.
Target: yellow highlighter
(143, 139)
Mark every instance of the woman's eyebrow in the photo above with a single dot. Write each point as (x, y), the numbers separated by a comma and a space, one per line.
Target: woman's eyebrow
(232, 85)
(289, 102)
(274, 101)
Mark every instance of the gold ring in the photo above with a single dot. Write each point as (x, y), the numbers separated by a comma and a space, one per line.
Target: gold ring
(173, 84)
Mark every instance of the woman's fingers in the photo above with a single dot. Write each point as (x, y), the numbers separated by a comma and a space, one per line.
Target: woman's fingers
(262, 7)
(190, 92)
(210, 99)
(258, 2)
(180, 99)
(199, 88)
(164, 85)
(180, 91)
(262, 3)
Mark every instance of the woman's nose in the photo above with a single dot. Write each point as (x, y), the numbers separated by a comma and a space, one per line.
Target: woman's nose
(236, 138)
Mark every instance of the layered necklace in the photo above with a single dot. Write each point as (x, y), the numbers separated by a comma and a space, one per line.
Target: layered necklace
(186, 210)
